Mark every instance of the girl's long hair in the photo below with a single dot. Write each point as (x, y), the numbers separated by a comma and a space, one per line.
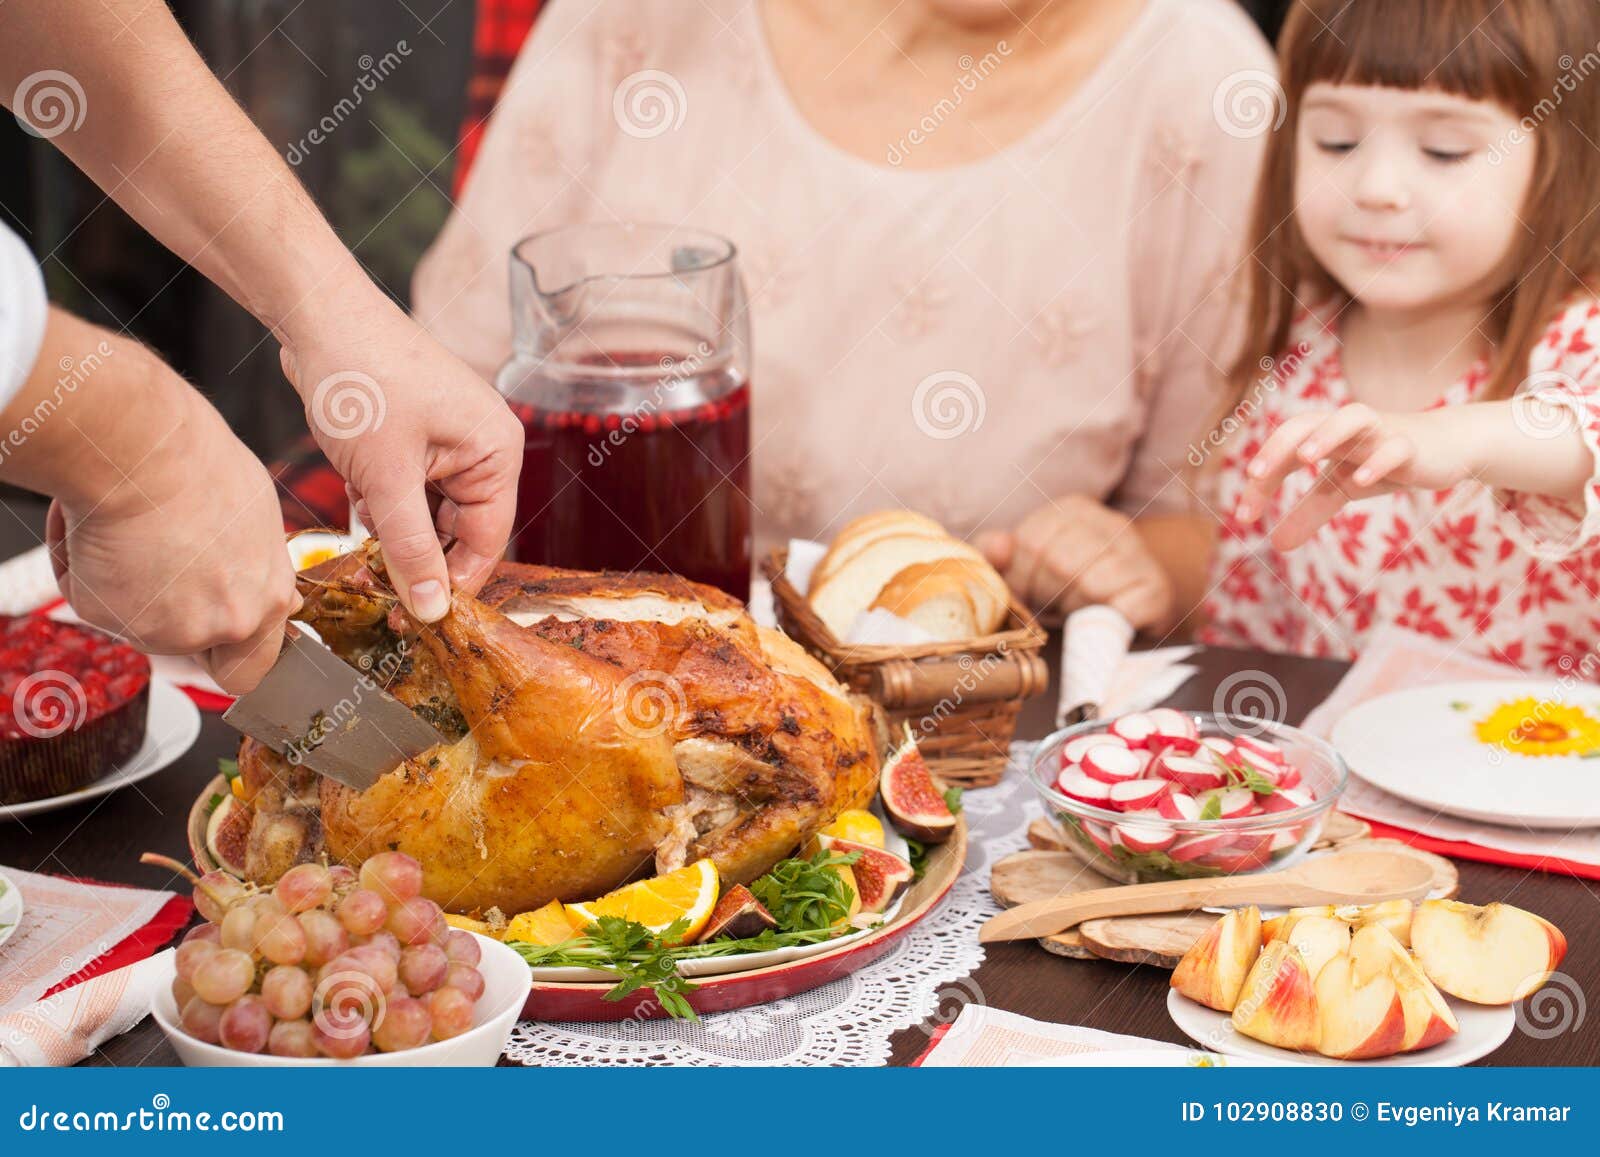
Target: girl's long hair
(1538, 59)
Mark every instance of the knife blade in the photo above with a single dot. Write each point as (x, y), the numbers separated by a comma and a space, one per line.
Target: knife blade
(316, 709)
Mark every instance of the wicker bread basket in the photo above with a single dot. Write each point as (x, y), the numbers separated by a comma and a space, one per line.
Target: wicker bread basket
(961, 699)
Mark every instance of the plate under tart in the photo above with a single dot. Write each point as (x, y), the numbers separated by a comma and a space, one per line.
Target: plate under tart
(1419, 744)
(1484, 1028)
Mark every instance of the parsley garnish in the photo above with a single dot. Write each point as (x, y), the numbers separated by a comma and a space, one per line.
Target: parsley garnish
(1212, 808)
(807, 895)
(952, 800)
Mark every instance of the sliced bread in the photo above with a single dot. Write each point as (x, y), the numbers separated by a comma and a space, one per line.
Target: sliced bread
(851, 589)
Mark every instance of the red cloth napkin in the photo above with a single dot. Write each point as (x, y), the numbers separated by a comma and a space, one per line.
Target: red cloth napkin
(173, 917)
(1460, 850)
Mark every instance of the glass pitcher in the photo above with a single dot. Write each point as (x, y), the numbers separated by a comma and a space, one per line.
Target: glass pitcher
(630, 373)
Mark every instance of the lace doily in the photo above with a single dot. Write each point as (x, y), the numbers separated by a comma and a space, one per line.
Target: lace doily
(846, 1022)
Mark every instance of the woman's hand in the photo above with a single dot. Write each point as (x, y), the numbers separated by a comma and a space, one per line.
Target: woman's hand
(427, 449)
(187, 556)
(1074, 552)
(1357, 452)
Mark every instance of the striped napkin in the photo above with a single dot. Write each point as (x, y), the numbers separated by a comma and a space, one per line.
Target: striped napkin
(984, 1037)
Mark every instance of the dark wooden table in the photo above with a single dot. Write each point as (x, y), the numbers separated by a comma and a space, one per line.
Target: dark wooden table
(103, 838)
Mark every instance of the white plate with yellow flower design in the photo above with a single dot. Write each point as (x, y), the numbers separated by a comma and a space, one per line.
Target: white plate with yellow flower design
(1525, 753)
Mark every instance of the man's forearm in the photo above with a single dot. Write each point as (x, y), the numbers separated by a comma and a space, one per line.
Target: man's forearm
(164, 139)
(101, 423)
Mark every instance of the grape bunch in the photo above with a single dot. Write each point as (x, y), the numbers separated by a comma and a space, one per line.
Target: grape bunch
(329, 962)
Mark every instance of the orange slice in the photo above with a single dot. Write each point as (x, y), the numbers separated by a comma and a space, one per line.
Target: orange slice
(547, 925)
(689, 893)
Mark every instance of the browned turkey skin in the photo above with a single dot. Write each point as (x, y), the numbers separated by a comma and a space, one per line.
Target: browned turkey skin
(602, 726)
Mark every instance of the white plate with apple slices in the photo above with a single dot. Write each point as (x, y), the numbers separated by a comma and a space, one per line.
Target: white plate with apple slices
(1380, 984)
(1422, 745)
(1484, 1028)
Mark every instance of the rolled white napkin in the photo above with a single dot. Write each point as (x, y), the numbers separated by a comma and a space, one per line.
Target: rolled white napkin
(1100, 674)
(64, 1028)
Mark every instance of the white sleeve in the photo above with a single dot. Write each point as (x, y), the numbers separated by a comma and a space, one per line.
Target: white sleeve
(23, 309)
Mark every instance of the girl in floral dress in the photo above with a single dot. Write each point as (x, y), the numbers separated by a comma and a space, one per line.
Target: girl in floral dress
(1415, 418)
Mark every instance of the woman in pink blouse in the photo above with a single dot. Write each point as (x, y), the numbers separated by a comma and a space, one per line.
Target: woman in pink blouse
(1039, 205)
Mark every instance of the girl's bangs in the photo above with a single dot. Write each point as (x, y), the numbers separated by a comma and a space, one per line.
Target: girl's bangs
(1467, 48)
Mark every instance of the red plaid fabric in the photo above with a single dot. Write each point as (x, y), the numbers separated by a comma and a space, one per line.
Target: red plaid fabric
(310, 491)
(502, 27)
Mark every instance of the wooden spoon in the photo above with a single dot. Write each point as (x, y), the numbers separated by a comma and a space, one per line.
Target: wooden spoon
(1362, 876)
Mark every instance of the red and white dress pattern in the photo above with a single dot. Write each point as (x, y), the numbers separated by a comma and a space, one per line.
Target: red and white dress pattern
(1511, 577)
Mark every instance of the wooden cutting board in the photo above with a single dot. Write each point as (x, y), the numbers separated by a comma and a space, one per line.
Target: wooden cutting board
(1160, 940)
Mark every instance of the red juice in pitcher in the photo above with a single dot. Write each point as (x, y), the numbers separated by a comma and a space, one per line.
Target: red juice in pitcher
(629, 369)
(662, 486)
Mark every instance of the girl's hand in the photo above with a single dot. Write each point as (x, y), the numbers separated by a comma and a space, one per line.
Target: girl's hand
(1357, 452)
(1074, 552)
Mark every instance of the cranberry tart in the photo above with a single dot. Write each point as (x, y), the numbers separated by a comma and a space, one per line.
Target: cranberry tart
(72, 705)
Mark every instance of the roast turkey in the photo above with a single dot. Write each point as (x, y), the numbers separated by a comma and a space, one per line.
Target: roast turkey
(601, 727)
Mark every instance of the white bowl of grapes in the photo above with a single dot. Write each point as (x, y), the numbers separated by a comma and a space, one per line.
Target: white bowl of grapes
(336, 966)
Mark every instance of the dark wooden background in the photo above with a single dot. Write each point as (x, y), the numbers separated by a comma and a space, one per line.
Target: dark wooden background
(103, 838)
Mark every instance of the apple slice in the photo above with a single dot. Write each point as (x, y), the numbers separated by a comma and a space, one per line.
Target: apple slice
(1189, 772)
(1112, 764)
(1141, 838)
(1358, 1020)
(1496, 954)
(1082, 788)
(1137, 794)
(1263, 748)
(1429, 1020)
(1319, 939)
(1395, 915)
(1175, 732)
(1213, 970)
(1278, 1002)
(1134, 729)
(1072, 751)
(1234, 802)
(1178, 804)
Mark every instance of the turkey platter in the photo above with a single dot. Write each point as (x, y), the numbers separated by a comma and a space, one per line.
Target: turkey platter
(602, 726)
